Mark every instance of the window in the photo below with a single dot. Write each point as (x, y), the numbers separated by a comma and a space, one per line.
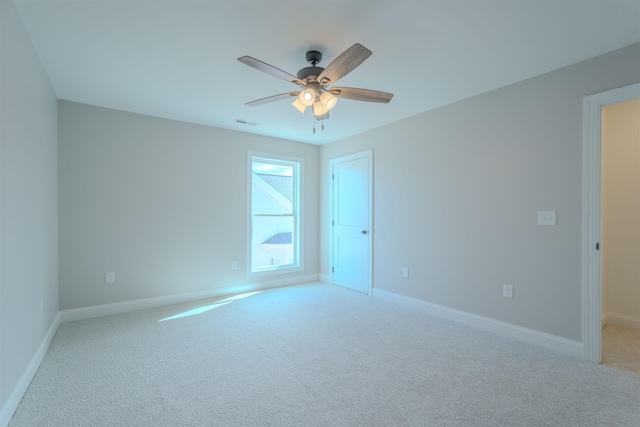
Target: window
(274, 213)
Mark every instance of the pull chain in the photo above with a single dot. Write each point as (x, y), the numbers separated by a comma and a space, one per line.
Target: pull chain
(314, 125)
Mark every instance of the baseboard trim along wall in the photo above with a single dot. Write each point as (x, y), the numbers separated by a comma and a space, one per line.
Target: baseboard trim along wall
(530, 336)
(146, 303)
(326, 278)
(620, 320)
(21, 388)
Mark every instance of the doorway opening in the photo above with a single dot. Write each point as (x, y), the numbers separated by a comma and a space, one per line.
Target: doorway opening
(621, 235)
(592, 216)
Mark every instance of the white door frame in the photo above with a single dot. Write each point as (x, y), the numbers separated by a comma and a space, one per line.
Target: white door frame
(591, 215)
(368, 154)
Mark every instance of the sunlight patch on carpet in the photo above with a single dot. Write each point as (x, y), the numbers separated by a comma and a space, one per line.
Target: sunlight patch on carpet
(240, 296)
(204, 309)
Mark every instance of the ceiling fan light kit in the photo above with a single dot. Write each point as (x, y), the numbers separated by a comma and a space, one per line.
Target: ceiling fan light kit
(318, 109)
(316, 82)
(328, 100)
(299, 105)
(307, 97)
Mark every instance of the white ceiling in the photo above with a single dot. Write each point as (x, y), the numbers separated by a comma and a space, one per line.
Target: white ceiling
(177, 59)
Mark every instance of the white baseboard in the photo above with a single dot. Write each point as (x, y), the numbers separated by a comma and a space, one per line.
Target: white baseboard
(326, 278)
(18, 392)
(621, 320)
(530, 336)
(146, 303)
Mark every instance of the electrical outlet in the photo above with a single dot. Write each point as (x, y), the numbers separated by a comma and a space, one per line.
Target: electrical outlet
(110, 277)
(405, 271)
(507, 291)
(234, 265)
(547, 218)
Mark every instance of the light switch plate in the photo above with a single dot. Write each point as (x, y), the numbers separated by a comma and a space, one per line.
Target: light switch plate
(547, 218)
(507, 291)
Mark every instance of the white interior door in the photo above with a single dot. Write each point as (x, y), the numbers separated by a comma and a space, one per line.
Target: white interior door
(352, 216)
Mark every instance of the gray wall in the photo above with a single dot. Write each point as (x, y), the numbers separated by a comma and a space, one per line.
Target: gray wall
(457, 191)
(161, 203)
(28, 205)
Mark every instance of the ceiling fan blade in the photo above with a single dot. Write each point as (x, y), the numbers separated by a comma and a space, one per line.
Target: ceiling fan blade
(346, 62)
(366, 95)
(270, 69)
(273, 98)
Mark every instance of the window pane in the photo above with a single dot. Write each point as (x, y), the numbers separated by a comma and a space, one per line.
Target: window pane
(272, 241)
(272, 188)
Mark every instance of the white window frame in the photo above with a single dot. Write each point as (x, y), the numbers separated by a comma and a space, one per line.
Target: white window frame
(298, 235)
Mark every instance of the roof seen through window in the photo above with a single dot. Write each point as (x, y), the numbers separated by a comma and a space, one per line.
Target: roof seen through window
(271, 169)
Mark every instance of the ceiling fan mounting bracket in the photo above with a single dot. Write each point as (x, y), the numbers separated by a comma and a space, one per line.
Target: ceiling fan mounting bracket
(314, 57)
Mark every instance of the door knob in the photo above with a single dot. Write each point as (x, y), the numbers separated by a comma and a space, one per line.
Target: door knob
(364, 231)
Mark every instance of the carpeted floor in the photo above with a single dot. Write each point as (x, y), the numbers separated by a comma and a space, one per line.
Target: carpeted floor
(312, 355)
(621, 348)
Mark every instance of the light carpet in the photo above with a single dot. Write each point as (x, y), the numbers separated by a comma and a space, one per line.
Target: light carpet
(621, 347)
(314, 355)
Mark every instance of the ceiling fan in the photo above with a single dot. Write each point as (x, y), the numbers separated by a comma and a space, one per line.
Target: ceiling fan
(315, 82)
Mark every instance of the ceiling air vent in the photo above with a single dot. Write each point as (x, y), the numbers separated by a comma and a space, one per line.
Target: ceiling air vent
(244, 122)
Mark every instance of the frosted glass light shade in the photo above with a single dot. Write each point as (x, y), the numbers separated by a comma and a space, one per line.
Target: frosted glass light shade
(318, 109)
(328, 100)
(307, 97)
(299, 105)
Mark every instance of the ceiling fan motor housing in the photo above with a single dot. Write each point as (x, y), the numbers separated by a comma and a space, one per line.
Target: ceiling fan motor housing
(309, 71)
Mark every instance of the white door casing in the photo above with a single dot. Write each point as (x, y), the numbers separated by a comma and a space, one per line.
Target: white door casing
(351, 242)
(592, 215)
